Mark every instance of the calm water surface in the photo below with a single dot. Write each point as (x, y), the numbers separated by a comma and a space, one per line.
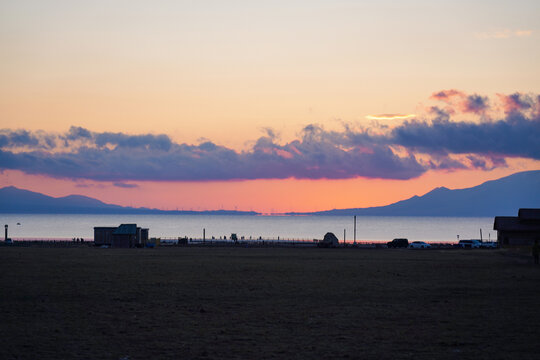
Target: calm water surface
(286, 227)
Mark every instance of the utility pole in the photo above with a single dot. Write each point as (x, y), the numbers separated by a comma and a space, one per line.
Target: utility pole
(344, 242)
(203, 235)
(354, 229)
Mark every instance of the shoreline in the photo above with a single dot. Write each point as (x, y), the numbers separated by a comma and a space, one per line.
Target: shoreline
(259, 243)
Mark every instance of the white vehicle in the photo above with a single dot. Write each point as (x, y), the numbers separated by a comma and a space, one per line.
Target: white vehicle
(469, 244)
(419, 245)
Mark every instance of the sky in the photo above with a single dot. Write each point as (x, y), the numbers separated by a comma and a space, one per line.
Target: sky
(270, 106)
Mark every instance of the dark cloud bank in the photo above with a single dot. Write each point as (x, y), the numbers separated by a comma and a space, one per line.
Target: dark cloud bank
(404, 152)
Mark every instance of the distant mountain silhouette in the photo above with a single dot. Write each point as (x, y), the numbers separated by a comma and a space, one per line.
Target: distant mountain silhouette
(502, 197)
(18, 201)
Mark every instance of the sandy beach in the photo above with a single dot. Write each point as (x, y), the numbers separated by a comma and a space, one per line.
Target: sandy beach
(245, 303)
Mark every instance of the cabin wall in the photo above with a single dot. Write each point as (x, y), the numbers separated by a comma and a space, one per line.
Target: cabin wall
(144, 236)
(123, 241)
(512, 238)
(103, 236)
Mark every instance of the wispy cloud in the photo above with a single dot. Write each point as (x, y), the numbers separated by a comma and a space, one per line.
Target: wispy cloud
(125, 185)
(503, 34)
(518, 102)
(461, 102)
(390, 116)
(404, 151)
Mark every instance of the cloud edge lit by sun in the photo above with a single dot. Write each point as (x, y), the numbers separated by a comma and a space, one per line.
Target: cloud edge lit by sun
(390, 116)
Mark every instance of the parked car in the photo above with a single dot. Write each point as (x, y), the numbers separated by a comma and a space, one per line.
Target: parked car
(419, 245)
(398, 243)
(469, 244)
(488, 245)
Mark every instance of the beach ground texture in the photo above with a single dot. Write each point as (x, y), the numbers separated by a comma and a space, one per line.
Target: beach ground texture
(261, 303)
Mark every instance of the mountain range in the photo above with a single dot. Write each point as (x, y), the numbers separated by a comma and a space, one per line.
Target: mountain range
(501, 197)
(19, 201)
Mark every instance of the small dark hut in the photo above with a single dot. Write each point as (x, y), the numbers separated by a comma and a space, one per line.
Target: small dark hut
(124, 236)
(523, 229)
(329, 240)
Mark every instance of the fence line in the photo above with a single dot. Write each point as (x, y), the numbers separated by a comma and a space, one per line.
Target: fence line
(56, 239)
(185, 241)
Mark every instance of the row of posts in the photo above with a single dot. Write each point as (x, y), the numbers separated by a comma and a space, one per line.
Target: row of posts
(344, 233)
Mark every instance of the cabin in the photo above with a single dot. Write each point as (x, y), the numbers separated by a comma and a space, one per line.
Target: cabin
(123, 236)
(522, 230)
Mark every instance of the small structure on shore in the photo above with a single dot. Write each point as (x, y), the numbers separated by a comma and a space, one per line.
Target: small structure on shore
(123, 236)
(523, 229)
(329, 240)
(7, 240)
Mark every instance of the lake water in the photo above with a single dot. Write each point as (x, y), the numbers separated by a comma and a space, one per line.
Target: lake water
(369, 228)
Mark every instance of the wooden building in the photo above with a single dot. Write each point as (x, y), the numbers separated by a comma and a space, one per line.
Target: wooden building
(523, 229)
(103, 235)
(125, 236)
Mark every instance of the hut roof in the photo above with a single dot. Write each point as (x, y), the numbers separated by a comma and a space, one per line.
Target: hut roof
(126, 229)
(514, 223)
(330, 237)
(529, 214)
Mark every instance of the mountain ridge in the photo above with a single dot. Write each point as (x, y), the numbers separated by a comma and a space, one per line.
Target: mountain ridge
(500, 197)
(15, 200)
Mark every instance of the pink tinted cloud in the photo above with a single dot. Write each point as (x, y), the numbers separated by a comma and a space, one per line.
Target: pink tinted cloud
(517, 102)
(460, 101)
(447, 95)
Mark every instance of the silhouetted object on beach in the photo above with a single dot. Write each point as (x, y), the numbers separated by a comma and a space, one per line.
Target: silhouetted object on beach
(183, 240)
(7, 240)
(521, 230)
(329, 241)
(125, 235)
(354, 243)
(398, 243)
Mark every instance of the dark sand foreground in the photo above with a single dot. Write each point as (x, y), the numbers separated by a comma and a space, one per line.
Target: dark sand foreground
(200, 303)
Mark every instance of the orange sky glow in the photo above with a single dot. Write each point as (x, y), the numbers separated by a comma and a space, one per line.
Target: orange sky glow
(264, 196)
(254, 105)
